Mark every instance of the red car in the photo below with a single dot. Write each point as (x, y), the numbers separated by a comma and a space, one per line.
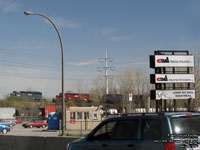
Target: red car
(18, 121)
(35, 123)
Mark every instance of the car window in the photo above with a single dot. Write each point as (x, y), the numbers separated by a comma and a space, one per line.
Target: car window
(118, 130)
(151, 129)
(104, 132)
(125, 129)
(186, 125)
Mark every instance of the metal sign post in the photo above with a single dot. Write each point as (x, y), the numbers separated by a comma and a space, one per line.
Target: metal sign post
(130, 100)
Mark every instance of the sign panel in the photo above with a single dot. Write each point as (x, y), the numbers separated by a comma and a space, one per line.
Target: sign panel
(175, 94)
(174, 61)
(174, 78)
(130, 97)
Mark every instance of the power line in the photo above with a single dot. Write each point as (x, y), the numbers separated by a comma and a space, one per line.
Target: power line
(20, 75)
(106, 68)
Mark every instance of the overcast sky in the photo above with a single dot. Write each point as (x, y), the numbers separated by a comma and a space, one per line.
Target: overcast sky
(30, 55)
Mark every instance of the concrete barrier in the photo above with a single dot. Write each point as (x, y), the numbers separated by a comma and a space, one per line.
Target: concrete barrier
(8, 142)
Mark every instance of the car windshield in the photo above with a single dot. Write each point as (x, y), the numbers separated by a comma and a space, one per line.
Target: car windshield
(186, 124)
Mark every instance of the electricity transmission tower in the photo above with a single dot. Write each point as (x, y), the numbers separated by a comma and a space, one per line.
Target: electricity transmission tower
(106, 68)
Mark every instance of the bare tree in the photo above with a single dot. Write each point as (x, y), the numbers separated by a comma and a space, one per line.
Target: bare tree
(98, 90)
(196, 102)
(125, 82)
(135, 81)
(142, 85)
(80, 87)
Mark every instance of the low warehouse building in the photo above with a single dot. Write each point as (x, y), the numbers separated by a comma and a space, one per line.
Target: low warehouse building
(82, 118)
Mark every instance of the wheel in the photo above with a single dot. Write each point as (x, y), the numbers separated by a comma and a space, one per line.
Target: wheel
(31, 126)
(4, 131)
(43, 126)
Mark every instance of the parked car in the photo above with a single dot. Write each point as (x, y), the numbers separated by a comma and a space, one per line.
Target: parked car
(8, 122)
(4, 129)
(35, 123)
(18, 121)
(160, 131)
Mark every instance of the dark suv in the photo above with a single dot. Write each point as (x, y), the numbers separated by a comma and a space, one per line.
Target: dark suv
(160, 131)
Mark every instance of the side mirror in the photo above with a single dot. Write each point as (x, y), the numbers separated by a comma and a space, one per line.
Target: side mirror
(88, 137)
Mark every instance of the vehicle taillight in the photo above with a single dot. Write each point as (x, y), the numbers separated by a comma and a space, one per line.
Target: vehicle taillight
(170, 146)
(189, 115)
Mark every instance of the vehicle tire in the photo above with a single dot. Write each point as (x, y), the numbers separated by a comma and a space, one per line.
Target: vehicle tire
(4, 131)
(31, 126)
(43, 126)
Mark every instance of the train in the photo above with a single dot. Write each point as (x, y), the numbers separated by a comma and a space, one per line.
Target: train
(72, 96)
(27, 95)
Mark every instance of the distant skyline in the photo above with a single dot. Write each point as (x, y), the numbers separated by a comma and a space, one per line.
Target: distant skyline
(30, 55)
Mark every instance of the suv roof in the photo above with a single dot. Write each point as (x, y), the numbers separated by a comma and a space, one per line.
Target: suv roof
(168, 114)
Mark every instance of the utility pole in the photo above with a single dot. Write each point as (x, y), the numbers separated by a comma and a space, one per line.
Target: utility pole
(106, 68)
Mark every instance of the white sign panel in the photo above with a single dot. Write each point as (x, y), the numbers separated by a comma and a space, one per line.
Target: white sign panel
(175, 94)
(174, 61)
(130, 97)
(174, 78)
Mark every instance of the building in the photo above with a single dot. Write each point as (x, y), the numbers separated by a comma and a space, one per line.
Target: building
(82, 118)
(7, 112)
(78, 118)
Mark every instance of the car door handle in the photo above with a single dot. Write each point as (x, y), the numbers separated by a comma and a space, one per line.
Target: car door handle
(130, 145)
(104, 145)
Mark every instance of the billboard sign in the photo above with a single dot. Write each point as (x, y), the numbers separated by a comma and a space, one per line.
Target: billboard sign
(174, 78)
(174, 61)
(174, 94)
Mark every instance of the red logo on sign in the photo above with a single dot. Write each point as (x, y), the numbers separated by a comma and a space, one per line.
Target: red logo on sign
(163, 60)
(158, 79)
(159, 61)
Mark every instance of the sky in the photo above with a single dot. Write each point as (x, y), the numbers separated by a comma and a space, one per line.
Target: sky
(130, 30)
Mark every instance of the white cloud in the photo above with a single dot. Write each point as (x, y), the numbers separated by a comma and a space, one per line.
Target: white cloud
(118, 38)
(9, 6)
(145, 64)
(63, 23)
(85, 63)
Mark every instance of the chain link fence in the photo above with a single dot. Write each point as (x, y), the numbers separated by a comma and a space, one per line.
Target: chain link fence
(27, 118)
(81, 126)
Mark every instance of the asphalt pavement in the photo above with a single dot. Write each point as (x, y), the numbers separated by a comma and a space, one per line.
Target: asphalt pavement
(18, 130)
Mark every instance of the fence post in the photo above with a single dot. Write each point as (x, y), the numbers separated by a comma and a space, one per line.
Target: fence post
(59, 127)
(81, 127)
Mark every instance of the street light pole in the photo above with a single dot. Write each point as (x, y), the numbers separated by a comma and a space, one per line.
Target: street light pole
(62, 62)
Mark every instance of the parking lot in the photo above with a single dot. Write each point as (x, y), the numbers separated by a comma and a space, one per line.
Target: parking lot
(21, 131)
(18, 130)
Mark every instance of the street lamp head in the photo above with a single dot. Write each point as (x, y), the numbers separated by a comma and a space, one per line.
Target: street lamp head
(28, 13)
